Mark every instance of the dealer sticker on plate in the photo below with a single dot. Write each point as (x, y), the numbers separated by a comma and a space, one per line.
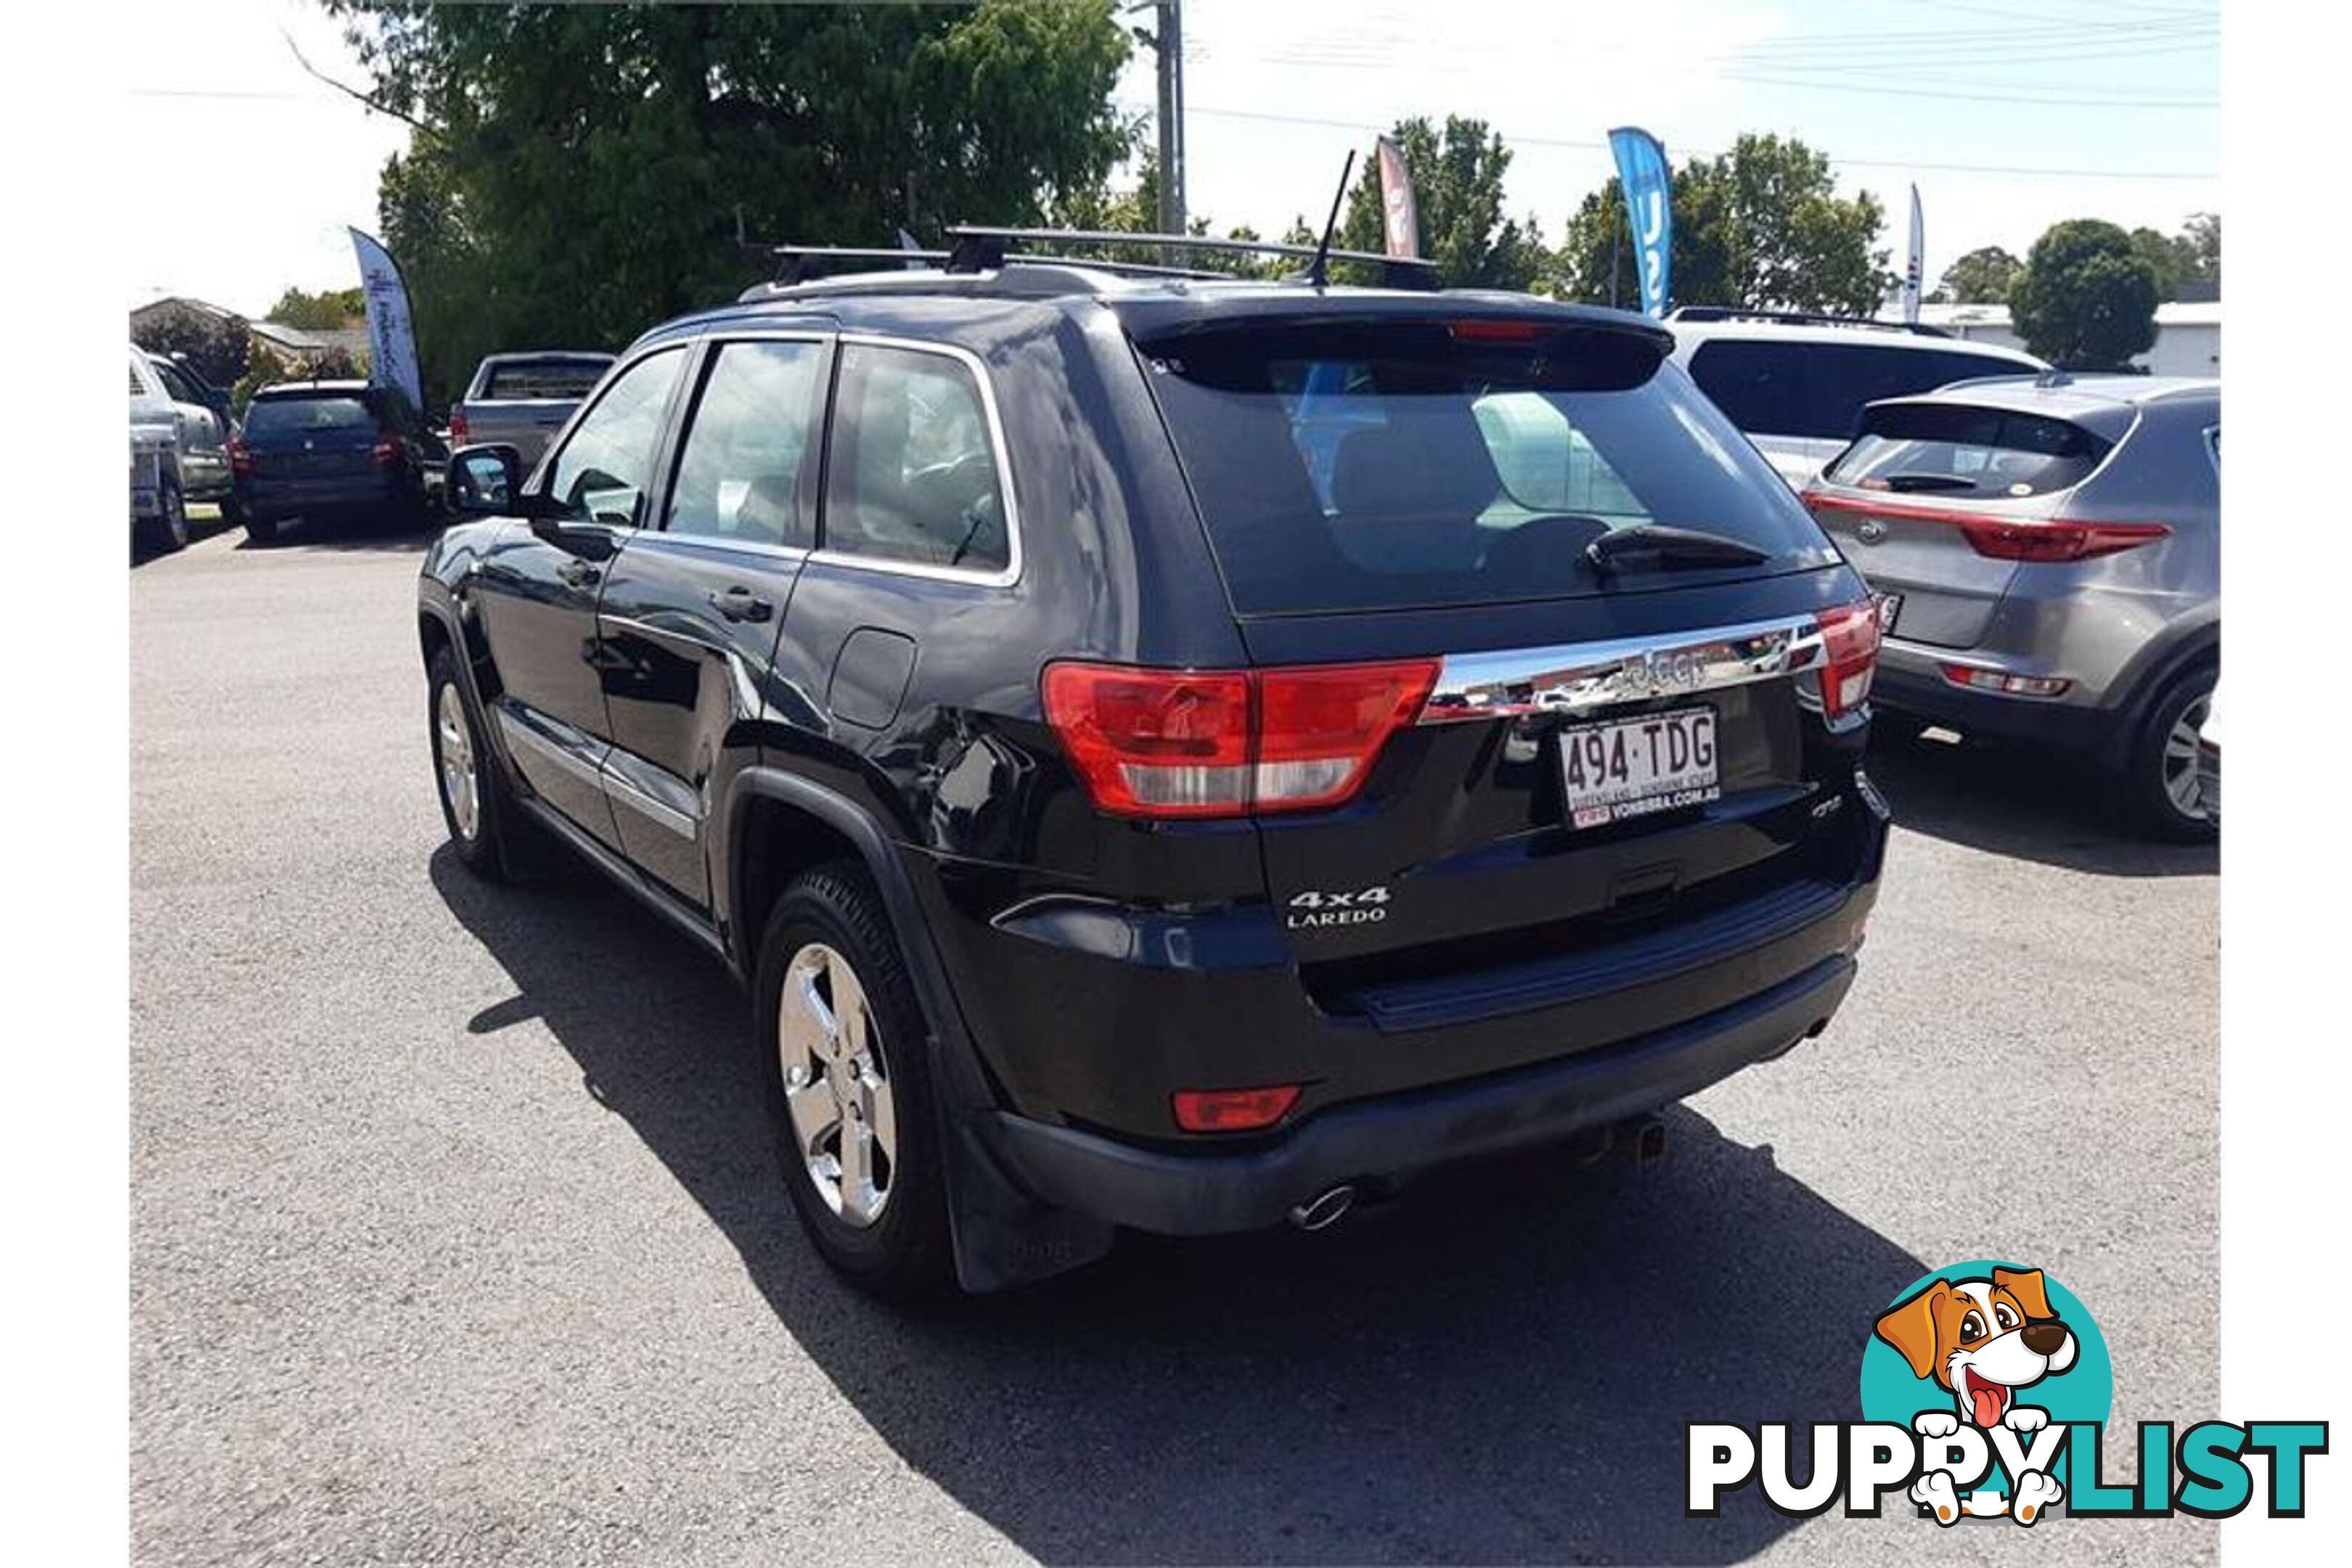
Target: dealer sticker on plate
(1632, 767)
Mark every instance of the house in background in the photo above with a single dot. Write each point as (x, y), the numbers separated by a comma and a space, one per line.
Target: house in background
(294, 350)
(2188, 332)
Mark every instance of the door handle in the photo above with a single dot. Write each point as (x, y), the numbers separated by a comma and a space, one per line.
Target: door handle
(578, 573)
(740, 603)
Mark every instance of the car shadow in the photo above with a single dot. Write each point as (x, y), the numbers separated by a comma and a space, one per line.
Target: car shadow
(1497, 1367)
(2025, 802)
(365, 531)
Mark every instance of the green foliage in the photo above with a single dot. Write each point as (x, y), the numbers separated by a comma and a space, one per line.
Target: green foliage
(264, 371)
(2163, 259)
(318, 313)
(2086, 300)
(1458, 189)
(587, 169)
(1761, 225)
(1137, 211)
(1982, 276)
(217, 347)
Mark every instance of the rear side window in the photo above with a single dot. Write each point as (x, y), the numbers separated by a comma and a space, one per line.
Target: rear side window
(912, 474)
(1817, 390)
(740, 475)
(1350, 467)
(1953, 449)
(278, 415)
(138, 387)
(562, 380)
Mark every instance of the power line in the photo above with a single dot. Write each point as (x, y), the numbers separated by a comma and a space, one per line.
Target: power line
(1851, 163)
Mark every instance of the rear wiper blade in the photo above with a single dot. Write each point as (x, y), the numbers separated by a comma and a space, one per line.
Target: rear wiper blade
(1670, 547)
(1913, 483)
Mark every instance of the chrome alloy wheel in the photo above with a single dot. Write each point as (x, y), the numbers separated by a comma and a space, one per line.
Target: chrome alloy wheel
(836, 1085)
(2180, 781)
(459, 785)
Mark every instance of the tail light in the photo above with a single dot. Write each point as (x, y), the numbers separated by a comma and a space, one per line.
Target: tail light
(1176, 743)
(2004, 541)
(457, 427)
(240, 460)
(386, 450)
(1233, 1109)
(1850, 641)
(2011, 539)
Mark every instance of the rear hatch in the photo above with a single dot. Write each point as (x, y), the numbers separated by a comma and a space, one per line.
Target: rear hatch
(1543, 756)
(1937, 503)
(325, 435)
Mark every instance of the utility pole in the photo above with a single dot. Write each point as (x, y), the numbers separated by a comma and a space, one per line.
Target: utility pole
(1167, 40)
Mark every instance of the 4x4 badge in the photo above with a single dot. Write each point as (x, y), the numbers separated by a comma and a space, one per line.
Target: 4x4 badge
(1365, 906)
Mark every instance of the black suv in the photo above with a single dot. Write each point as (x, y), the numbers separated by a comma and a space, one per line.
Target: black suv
(1169, 752)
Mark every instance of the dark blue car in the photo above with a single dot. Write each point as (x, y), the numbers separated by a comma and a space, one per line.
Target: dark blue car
(319, 446)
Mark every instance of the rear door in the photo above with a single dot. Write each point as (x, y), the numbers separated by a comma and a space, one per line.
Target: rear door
(1912, 502)
(691, 609)
(1601, 751)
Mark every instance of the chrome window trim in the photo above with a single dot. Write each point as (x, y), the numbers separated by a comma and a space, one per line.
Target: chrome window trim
(1003, 578)
(1577, 678)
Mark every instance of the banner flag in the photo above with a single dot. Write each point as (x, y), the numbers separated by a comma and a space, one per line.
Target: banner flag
(391, 335)
(1400, 219)
(1914, 273)
(1649, 210)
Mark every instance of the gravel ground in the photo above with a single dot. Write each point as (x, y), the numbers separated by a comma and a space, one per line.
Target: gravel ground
(455, 1239)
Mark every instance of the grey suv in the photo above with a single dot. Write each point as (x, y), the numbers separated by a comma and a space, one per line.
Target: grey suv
(2050, 553)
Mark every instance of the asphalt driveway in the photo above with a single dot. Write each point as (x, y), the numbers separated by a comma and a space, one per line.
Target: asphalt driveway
(454, 1237)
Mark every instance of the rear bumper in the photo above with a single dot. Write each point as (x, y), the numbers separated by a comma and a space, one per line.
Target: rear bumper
(1910, 679)
(1397, 1136)
(282, 498)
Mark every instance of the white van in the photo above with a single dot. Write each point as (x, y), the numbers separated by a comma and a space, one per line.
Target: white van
(1797, 383)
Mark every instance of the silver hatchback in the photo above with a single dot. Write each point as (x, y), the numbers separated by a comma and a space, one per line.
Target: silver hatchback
(2049, 554)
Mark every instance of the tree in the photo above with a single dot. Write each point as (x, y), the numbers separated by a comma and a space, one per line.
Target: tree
(1982, 276)
(322, 312)
(1761, 227)
(216, 346)
(1457, 190)
(2086, 300)
(2164, 258)
(2199, 245)
(581, 173)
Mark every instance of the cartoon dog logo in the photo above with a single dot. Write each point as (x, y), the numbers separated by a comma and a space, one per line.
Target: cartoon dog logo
(1982, 1341)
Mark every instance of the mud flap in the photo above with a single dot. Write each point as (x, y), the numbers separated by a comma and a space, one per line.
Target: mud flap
(1002, 1237)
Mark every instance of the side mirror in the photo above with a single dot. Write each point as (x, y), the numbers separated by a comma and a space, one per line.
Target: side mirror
(483, 481)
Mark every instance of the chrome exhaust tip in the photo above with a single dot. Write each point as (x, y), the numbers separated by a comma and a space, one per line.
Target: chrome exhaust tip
(1322, 1211)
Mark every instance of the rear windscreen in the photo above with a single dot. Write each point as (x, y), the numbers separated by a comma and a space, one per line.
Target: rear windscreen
(268, 416)
(1777, 386)
(1952, 450)
(1393, 465)
(555, 379)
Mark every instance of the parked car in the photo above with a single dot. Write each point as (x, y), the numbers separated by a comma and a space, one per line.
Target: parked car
(522, 399)
(1121, 817)
(2051, 549)
(1796, 385)
(311, 448)
(178, 452)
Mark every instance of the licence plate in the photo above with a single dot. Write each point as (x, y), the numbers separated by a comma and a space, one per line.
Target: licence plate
(1632, 767)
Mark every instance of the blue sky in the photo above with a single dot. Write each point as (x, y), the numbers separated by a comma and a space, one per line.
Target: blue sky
(1279, 89)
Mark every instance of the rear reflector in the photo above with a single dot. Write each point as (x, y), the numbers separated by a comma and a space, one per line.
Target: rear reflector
(1977, 678)
(1179, 743)
(1233, 1109)
(1850, 640)
(386, 450)
(2011, 539)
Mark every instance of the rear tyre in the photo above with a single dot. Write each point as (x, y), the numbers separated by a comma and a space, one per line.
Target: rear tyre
(2161, 771)
(232, 511)
(475, 805)
(167, 531)
(260, 530)
(842, 1046)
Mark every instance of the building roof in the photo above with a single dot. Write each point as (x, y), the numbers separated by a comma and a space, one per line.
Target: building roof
(180, 302)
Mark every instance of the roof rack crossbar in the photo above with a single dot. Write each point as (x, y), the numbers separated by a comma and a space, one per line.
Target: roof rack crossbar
(1396, 271)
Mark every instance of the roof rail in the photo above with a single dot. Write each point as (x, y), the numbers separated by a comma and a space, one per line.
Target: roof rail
(1797, 319)
(1396, 271)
